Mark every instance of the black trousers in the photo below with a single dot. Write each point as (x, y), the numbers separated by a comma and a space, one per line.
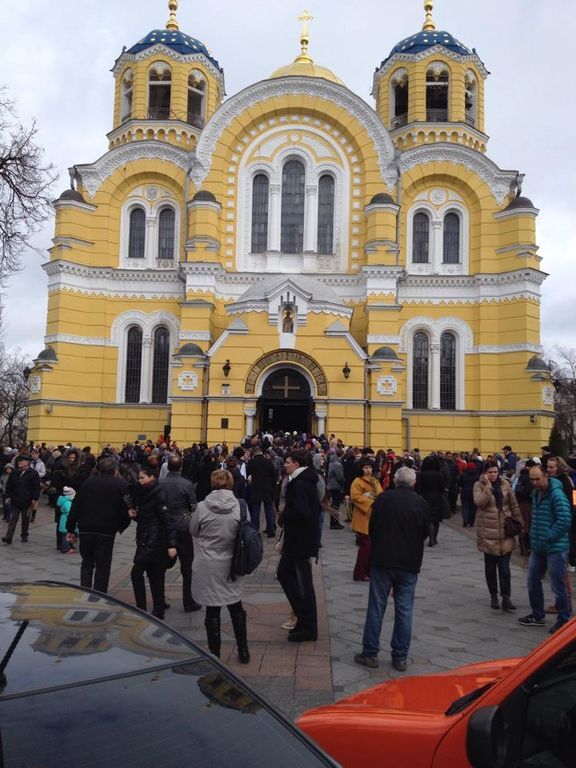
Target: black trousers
(96, 553)
(185, 549)
(155, 573)
(213, 611)
(335, 497)
(295, 577)
(497, 568)
(14, 516)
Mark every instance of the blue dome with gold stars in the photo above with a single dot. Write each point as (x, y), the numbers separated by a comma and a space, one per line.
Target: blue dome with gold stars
(428, 39)
(175, 40)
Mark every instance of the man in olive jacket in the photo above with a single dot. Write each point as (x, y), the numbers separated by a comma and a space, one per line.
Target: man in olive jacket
(399, 523)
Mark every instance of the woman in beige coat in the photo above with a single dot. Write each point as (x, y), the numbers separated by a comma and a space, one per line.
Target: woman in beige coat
(495, 501)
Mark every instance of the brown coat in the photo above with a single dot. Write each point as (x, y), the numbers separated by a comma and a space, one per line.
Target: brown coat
(363, 491)
(490, 522)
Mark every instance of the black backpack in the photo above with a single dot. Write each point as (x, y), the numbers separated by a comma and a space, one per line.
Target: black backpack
(248, 547)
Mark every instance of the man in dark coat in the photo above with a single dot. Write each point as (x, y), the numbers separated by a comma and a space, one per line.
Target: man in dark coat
(301, 533)
(398, 527)
(262, 479)
(181, 503)
(22, 494)
(100, 510)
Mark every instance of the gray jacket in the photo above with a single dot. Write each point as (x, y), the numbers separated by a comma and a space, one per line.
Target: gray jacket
(335, 479)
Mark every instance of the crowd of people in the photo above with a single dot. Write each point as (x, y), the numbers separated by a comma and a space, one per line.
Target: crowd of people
(186, 505)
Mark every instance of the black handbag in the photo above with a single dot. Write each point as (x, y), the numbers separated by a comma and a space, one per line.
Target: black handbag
(512, 527)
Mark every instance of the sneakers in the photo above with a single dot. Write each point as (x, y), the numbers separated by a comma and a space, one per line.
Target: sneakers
(400, 665)
(532, 621)
(290, 623)
(366, 661)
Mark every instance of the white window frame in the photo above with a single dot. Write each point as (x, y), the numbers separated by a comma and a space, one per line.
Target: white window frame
(398, 76)
(126, 87)
(439, 66)
(152, 211)
(434, 330)
(198, 75)
(436, 215)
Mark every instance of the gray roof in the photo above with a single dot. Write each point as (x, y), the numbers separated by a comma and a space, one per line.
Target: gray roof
(190, 349)
(307, 285)
(48, 354)
(385, 353)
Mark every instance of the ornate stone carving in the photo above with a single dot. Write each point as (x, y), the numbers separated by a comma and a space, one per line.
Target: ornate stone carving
(287, 356)
(187, 381)
(35, 384)
(295, 86)
(547, 395)
(387, 385)
(94, 175)
(501, 183)
(438, 196)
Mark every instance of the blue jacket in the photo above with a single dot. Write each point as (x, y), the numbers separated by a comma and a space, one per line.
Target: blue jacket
(551, 519)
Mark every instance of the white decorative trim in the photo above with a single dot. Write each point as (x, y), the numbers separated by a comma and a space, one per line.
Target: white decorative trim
(35, 384)
(194, 335)
(351, 341)
(437, 212)
(74, 204)
(387, 385)
(163, 50)
(435, 328)
(95, 174)
(501, 183)
(437, 50)
(547, 395)
(377, 338)
(187, 381)
(152, 199)
(509, 214)
(90, 341)
(521, 284)
(294, 86)
(503, 349)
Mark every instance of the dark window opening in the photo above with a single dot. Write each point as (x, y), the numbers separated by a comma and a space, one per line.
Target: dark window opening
(448, 372)
(420, 239)
(260, 187)
(326, 215)
(292, 220)
(420, 367)
(159, 92)
(133, 365)
(451, 239)
(166, 227)
(437, 97)
(137, 236)
(161, 366)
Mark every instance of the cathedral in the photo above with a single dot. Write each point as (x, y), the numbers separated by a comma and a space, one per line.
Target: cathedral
(293, 258)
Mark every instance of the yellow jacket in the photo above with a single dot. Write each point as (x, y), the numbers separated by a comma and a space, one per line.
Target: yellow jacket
(363, 491)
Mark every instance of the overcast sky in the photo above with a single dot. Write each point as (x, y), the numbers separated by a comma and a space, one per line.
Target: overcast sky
(56, 59)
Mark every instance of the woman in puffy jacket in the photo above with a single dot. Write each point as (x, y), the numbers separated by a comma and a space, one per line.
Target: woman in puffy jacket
(495, 501)
(153, 554)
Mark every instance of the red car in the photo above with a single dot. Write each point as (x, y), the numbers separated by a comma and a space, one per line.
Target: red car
(497, 714)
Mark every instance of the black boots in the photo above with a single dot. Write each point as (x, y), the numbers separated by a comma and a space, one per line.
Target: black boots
(212, 625)
(433, 535)
(494, 602)
(507, 604)
(335, 524)
(239, 624)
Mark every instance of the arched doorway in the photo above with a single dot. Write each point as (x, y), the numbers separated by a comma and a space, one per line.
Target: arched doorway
(286, 402)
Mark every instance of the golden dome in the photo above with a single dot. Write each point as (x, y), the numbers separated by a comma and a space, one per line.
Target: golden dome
(303, 65)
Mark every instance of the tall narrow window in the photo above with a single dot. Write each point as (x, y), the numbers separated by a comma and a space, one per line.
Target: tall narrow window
(166, 226)
(471, 98)
(326, 214)
(133, 365)
(448, 372)
(420, 238)
(159, 91)
(137, 236)
(127, 83)
(437, 83)
(260, 187)
(451, 239)
(420, 368)
(292, 220)
(161, 365)
(196, 88)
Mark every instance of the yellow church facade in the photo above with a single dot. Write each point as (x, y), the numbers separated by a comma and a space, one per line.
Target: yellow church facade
(290, 258)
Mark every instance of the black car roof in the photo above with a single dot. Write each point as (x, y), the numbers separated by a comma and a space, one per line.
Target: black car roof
(44, 623)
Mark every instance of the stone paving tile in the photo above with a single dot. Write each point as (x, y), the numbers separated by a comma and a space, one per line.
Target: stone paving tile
(453, 623)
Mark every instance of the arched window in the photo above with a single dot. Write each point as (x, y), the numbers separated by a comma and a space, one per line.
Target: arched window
(420, 367)
(127, 83)
(471, 98)
(166, 226)
(161, 365)
(451, 239)
(437, 83)
(400, 94)
(196, 93)
(133, 365)
(292, 219)
(326, 214)
(420, 238)
(159, 91)
(137, 237)
(260, 187)
(448, 372)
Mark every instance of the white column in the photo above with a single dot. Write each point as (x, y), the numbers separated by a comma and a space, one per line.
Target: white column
(437, 246)
(435, 375)
(146, 377)
(311, 218)
(274, 217)
(150, 249)
(249, 413)
(321, 419)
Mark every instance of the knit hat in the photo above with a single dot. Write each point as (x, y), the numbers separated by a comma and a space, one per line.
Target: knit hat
(69, 492)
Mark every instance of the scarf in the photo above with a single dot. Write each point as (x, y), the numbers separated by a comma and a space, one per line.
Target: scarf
(498, 496)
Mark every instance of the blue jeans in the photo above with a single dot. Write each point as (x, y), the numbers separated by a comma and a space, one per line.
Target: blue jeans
(555, 564)
(268, 511)
(382, 580)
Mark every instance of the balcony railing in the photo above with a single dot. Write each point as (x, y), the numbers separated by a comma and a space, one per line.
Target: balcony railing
(196, 120)
(399, 121)
(161, 113)
(470, 121)
(437, 115)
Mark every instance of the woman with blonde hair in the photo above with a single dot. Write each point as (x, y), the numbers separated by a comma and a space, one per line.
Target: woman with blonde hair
(214, 525)
(363, 492)
(495, 502)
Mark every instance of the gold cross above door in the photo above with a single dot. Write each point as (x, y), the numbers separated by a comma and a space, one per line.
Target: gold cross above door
(286, 387)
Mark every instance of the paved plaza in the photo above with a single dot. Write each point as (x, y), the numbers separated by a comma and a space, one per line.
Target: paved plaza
(453, 623)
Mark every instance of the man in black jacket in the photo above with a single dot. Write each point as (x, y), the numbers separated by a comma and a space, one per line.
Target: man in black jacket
(262, 479)
(301, 533)
(181, 503)
(22, 494)
(100, 510)
(398, 526)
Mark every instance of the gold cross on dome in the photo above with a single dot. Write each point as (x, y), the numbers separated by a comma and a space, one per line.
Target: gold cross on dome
(305, 17)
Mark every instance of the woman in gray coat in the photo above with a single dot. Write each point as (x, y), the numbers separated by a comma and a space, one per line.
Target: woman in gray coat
(214, 525)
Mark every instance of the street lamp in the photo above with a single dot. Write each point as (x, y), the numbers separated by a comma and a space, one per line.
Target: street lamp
(346, 371)
(226, 368)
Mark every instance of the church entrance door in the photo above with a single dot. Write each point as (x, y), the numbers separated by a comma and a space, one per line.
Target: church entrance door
(286, 403)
